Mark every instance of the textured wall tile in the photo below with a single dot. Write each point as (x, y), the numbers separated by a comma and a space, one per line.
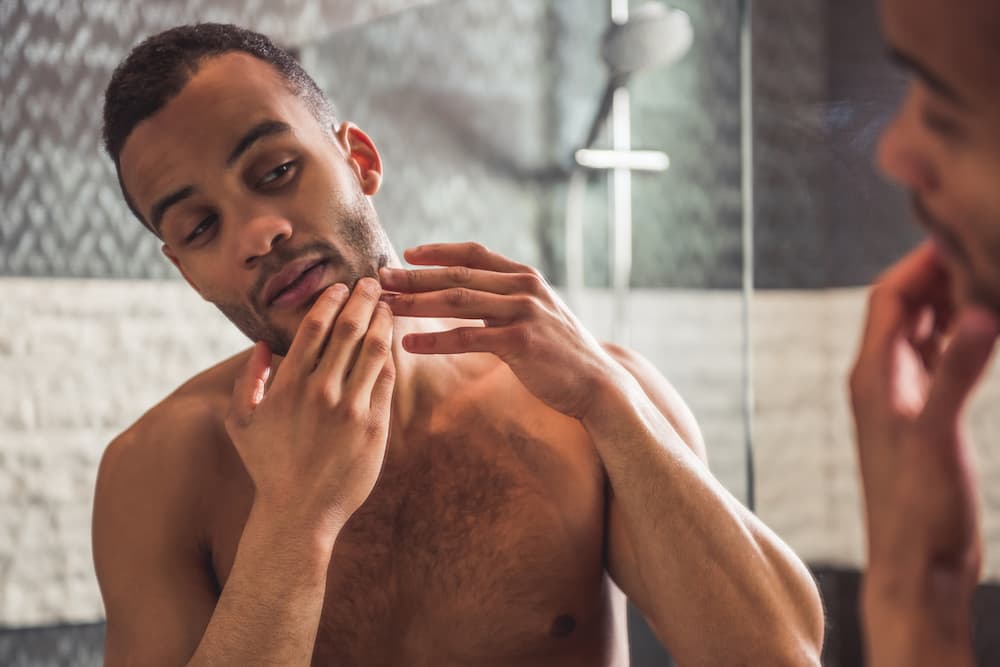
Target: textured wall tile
(63, 214)
(476, 109)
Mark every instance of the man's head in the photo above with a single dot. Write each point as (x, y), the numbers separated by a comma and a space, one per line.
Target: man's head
(944, 144)
(229, 152)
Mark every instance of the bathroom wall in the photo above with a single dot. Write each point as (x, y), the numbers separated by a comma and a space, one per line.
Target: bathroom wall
(95, 326)
(86, 288)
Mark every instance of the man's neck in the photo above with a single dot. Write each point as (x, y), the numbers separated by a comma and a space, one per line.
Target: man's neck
(426, 379)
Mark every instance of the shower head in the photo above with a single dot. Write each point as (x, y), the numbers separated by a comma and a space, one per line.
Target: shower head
(654, 35)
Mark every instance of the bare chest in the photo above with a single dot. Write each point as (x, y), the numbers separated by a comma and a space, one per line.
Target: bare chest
(484, 546)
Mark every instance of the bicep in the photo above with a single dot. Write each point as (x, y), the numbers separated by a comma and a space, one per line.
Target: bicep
(158, 592)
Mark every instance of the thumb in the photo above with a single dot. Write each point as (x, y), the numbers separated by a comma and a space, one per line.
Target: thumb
(248, 390)
(961, 366)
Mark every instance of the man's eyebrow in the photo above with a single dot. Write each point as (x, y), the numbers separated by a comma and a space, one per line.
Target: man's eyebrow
(933, 81)
(161, 206)
(258, 131)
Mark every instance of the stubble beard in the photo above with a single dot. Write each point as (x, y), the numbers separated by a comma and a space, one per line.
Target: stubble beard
(362, 237)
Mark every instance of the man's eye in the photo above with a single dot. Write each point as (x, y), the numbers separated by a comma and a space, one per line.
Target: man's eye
(202, 227)
(277, 174)
(941, 125)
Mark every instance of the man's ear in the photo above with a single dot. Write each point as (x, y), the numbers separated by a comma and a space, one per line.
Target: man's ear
(176, 262)
(362, 156)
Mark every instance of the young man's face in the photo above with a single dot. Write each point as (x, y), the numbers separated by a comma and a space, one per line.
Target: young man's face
(258, 205)
(944, 144)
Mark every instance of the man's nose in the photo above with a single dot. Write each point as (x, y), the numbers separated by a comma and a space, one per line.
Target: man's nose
(260, 234)
(904, 151)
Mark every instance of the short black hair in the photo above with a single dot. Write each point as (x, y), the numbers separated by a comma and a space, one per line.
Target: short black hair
(159, 67)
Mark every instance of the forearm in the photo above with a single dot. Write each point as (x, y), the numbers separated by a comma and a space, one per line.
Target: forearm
(907, 622)
(716, 577)
(269, 610)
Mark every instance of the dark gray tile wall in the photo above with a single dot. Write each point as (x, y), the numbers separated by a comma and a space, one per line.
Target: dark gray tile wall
(476, 108)
(57, 646)
(824, 90)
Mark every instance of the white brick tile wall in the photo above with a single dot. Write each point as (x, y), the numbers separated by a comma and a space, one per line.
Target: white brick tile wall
(82, 359)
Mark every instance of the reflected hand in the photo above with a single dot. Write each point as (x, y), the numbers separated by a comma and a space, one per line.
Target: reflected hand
(918, 364)
(313, 441)
(526, 324)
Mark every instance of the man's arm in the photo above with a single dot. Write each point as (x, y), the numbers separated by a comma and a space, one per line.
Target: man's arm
(312, 442)
(155, 573)
(717, 586)
(918, 365)
(158, 594)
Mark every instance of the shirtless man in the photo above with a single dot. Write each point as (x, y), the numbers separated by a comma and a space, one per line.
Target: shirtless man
(457, 481)
(932, 324)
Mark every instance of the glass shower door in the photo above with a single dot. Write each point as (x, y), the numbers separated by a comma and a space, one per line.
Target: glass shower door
(479, 111)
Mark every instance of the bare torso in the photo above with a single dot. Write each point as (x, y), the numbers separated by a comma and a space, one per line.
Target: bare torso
(482, 543)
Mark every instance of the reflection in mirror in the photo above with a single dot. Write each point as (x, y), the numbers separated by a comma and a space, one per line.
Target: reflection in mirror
(827, 223)
(479, 114)
(477, 141)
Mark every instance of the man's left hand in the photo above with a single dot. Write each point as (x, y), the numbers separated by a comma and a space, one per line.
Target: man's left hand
(526, 324)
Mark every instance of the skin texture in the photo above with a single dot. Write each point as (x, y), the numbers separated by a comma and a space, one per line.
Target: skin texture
(932, 325)
(282, 509)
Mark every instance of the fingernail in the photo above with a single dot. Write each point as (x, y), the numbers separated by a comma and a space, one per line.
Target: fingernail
(340, 288)
(388, 297)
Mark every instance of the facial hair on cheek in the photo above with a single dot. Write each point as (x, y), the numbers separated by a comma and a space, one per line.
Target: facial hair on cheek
(369, 251)
(362, 232)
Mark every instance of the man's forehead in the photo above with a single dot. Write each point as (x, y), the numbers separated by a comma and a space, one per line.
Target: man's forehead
(227, 96)
(955, 40)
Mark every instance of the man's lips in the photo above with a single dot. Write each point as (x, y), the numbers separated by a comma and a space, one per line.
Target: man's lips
(291, 283)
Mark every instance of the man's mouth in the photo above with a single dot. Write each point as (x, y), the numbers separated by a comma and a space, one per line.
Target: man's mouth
(295, 284)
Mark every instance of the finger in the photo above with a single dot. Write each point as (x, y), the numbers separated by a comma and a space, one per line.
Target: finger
(462, 303)
(917, 277)
(498, 340)
(473, 255)
(314, 330)
(429, 280)
(385, 383)
(894, 306)
(898, 297)
(248, 390)
(349, 330)
(927, 338)
(961, 366)
(377, 346)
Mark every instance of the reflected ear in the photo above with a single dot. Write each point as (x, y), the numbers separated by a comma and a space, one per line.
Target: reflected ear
(176, 262)
(362, 156)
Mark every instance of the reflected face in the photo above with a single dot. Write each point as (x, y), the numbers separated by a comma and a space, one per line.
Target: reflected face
(257, 204)
(944, 143)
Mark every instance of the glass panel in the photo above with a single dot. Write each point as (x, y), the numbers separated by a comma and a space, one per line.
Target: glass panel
(479, 112)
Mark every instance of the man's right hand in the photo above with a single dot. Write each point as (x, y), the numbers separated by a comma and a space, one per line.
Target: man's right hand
(918, 365)
(313, 442)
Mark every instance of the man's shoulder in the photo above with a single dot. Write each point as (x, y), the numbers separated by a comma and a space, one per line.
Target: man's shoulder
(177, 436)
(196, 406)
